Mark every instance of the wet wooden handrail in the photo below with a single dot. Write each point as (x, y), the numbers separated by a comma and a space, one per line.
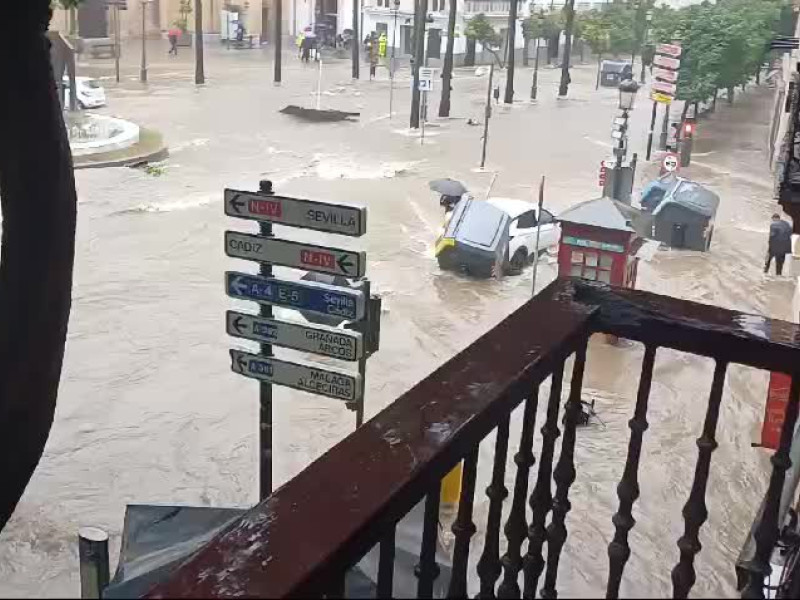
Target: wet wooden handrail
(301, 540)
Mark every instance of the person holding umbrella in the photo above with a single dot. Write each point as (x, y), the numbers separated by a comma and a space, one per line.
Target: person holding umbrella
(450, 191)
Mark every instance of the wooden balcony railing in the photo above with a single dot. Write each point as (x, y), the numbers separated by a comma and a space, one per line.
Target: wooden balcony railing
(304, 538)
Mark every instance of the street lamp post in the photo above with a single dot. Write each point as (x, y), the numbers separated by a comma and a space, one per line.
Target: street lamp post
(535, 84)
(392, 65)
(143, 69)
(648, 19)
(627, 99)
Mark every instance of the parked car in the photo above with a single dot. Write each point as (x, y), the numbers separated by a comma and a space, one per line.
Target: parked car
(614, 72)
(90, 94)
(494, 237)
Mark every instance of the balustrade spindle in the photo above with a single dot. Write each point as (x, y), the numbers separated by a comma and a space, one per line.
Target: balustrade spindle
(386, 565)
(628, 489)
(427, 570)
(516, 527)
(541, 500)
(695, 511)
(564, 476)
(766, 534)
(489, 567)
(463, 528)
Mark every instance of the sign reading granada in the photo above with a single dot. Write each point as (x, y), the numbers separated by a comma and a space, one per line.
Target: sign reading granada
(295, 212)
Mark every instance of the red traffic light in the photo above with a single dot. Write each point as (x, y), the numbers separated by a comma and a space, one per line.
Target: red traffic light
(688, 128)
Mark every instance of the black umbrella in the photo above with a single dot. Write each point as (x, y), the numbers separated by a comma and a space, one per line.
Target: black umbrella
(447, 187)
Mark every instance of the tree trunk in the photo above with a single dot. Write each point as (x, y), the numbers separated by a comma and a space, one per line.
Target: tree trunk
(199, 65)
(420, 11)
(278, 24)
(565, 78)
(356, 40)
(714, 100)
(447, 70)
(599, 67)
(525, 50)
(511, 57)
(38, 206)
(731, 92)
(469, 55)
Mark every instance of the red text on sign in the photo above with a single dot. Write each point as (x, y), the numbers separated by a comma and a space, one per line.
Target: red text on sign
(317, 259)
(268, 208)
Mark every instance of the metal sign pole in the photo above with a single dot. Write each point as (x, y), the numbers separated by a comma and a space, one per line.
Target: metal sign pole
(362, 363)
(487, 115)
(422, 111)
(117, 48)
(652, 127)
(538, 233)
(265, 388)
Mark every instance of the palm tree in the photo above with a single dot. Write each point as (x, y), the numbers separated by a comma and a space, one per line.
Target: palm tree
(199, 66)
(38, 204)
(447, 71)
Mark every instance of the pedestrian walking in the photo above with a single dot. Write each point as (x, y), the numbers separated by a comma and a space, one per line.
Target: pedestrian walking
(173, 35)
(299, 43)
(780, 243)
(309, 42)
(373, 57)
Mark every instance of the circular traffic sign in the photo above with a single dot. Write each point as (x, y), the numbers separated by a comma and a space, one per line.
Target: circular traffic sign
(670, 163)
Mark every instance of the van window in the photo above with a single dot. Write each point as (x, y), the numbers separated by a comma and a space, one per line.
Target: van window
(526, 220)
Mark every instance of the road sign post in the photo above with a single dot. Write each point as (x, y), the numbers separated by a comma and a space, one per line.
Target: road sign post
(351, 304)
(666, 65)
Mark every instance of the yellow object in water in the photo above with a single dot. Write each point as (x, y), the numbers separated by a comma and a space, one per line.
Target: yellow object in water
(443, 244)
(451, 486)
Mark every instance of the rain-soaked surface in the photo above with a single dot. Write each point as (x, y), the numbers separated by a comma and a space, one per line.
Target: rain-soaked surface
(150, 412)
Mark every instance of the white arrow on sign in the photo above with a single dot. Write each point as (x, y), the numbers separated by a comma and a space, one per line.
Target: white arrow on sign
(293, 254)
(308, 214)
(325, 382)
(669, 50)
(327, 341)
(664, 88)
(666, 62)
(666, 75)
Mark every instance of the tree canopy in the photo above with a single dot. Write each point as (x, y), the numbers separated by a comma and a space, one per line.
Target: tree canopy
(724, 44)
(480, 29)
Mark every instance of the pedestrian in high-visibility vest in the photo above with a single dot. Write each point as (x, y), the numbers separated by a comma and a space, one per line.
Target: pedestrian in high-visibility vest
(382, 45)
(299, 43)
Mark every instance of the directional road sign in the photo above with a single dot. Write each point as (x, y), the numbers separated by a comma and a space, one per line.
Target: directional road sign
(293, 254)
(669, 50)
(663, 87)
(666, 62)
(308, 214)
(336, 343)
(303, 295)
(426, 75)
(666, 75)
(663, 98)
(325, 382)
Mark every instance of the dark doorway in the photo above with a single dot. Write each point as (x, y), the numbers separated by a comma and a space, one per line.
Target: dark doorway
(469, 56)
(265, 33)
(434, 43)
(678, 235)
(406, 32)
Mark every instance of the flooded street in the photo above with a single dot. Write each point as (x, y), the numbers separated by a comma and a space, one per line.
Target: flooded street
(150, 412)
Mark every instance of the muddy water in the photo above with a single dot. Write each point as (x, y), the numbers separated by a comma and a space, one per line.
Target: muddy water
(149, 411)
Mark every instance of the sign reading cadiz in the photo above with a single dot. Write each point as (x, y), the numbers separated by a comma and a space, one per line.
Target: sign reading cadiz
(302, 295)
(327, 341)
(293, 254)
(308, 214)
(334, 384)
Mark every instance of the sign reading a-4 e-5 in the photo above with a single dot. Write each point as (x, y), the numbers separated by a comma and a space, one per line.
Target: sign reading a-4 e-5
(308, 214)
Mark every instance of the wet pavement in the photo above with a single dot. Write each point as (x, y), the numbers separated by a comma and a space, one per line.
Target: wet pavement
(150, 412)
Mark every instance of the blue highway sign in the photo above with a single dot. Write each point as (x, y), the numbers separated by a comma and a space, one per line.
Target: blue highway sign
(302, 295)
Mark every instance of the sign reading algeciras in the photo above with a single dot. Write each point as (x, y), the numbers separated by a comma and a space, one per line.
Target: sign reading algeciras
(308, 214)
(325, 382)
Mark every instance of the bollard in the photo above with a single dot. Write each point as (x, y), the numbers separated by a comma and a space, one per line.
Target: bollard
(93, 556)
(451, 487)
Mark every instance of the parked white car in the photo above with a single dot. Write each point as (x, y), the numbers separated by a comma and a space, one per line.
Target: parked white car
(522, 232)
(90, 94)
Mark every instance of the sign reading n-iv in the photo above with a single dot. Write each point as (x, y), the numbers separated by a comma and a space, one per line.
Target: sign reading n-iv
(327, 341)
(334, 384)
(308, 214)
(293, 254)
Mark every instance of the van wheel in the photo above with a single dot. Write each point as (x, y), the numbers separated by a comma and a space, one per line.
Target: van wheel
(517, 262)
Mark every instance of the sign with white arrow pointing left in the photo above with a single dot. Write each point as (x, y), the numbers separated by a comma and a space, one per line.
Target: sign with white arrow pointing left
(327, 341)
(294, 254)
(325, 382)
(308, 214)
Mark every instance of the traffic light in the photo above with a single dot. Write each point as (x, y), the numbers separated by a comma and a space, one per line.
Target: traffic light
(687, 141)
(688, 128)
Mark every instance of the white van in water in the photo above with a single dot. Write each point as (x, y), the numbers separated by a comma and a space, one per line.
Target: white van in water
(90, 93)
